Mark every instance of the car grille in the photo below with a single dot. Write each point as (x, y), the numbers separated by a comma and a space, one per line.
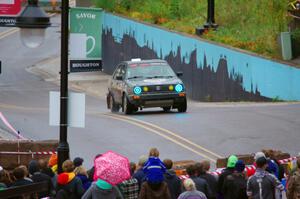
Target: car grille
(160, 89)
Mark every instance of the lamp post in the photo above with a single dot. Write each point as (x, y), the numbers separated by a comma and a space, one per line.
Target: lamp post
(210, 21)
(33, 21)
(63, 147)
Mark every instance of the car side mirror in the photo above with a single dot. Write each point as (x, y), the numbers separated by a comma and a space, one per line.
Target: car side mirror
(120, 78)
(179, 73)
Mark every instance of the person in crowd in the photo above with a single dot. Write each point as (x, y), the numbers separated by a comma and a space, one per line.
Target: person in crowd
(152, 188)
(26, 172)
(81, 173)
(130, 188)
(78, 162)
(202, 170)
(5, 178)
(37, 176)
(293, 189)
(262, 184)
(43, 164)
(174, 183)
(229, 170)
(139, 174)
(20, 174)
(273, 167)
(201, 184)
(91, 171)
(154, 168)
(68, 183)
(52, 163)
(2, 176)
(102, 189)
(234, 186)
(191, 191)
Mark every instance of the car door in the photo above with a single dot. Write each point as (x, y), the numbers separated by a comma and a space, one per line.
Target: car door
(120, 83)
(114, 84)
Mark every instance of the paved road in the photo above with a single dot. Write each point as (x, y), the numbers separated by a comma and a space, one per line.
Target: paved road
(206, 130)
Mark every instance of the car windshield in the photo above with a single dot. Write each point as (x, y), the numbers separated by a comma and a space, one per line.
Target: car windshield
(149, 70)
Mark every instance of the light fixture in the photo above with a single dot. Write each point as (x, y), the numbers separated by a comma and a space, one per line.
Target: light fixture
(33, 21)
(137, 90)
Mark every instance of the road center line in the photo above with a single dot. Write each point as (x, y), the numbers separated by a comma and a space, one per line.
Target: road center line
(170, 133)
(160, 134)
(8, 32)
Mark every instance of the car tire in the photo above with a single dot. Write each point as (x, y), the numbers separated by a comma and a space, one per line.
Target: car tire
(182, 107)
(167, 108)
(127, 107)
(113, 106)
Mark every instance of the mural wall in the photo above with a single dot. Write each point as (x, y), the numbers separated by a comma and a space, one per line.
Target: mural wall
(211, 72)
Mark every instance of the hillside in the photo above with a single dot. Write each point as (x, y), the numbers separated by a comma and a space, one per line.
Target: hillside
(252, 25)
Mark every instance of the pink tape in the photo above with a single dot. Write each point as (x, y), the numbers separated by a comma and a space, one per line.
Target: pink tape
(8, 125)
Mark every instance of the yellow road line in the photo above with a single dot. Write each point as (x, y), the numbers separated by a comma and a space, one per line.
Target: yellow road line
(162, 135)
(8, 32)
(171, 133)
(142, 124)
(14, 107)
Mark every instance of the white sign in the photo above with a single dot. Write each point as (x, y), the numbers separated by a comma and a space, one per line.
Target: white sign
(76, 109)
(7, 1)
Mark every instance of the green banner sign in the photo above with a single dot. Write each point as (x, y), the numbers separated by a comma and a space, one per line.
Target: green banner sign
(85, 33)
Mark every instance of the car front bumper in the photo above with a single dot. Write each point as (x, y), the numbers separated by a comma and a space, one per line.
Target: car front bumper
(158, 100)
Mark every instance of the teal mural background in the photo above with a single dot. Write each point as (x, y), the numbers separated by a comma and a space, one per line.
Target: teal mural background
(271, 79)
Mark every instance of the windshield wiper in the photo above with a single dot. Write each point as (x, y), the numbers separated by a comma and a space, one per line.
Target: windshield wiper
(160, 76)
(135, 77)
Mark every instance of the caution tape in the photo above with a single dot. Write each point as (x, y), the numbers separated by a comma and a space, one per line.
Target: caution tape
(284, 161)
(44, 153)
(9, 126)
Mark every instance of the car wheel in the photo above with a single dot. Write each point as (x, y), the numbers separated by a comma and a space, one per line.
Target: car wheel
(127, 107)
(113, 106)
(167, 109)
(182, 107)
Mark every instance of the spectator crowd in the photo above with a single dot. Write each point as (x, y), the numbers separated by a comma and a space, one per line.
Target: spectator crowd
(153, 178)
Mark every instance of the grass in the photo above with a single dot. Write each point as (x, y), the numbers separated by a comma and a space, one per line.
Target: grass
(253, 25)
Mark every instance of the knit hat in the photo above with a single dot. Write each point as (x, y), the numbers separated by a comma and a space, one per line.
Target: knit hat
(52, 160)
(258, 155)
(231, 161)
(78, 161)
(239, 166)
(33, 167)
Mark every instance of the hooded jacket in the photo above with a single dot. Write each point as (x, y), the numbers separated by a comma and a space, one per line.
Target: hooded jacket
(174, 184)
(154, 169)
(102, 189)
(293, 191)
(71, 184)
(155, 191)
(262, 185)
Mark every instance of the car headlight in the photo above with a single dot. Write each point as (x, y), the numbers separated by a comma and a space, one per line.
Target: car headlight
(171, 88)
(179, 88)
(137, 90)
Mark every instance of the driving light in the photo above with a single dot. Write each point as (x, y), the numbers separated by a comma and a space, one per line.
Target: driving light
(137, 90)
(146, 89)
(178, 88)
(171, 87)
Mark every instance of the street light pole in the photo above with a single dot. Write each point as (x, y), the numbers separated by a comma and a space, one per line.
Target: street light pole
(63, 146)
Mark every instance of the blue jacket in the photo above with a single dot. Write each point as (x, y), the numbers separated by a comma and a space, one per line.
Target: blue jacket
(154, 169)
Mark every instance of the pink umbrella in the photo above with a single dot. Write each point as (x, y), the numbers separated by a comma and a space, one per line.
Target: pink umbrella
(112, 167)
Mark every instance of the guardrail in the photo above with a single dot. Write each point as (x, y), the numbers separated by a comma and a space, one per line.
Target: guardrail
(26, 190)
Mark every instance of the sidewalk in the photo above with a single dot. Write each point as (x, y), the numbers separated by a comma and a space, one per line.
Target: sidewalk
(92, 83)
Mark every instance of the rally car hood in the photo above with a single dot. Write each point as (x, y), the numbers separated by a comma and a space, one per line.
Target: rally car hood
(154, 81)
